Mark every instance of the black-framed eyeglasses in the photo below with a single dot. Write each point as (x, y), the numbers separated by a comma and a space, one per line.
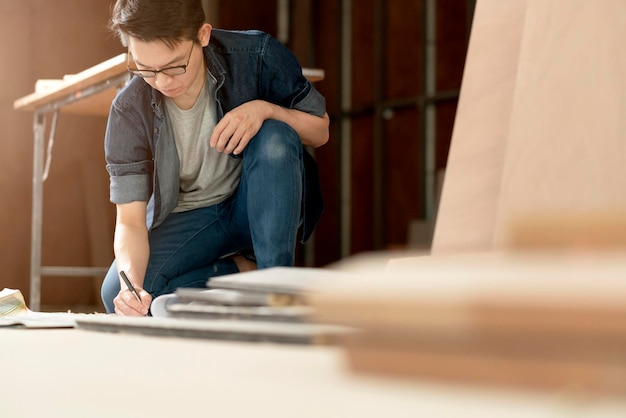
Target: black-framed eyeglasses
(169, 71)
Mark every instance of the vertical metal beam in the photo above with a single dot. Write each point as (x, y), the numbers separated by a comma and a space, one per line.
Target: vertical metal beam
(379, 150)
(430, 110)
(346, 126)
(283, 14)
(313, 16)
(309, 248)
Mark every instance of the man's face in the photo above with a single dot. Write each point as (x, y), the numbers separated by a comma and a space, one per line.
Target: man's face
(186, 56)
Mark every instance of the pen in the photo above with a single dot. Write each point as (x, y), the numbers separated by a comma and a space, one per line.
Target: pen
(130, 286)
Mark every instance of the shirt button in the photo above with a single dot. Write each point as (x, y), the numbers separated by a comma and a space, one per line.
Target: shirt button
(156, 130)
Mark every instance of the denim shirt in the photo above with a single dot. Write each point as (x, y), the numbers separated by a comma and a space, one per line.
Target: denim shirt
(140, 151)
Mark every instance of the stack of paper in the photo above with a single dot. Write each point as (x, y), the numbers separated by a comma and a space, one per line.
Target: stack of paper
(15, 313)
(263, 305)
(275, 295)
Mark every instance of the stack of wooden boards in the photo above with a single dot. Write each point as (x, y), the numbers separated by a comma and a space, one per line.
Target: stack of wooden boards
(536, 161)
(539, 321)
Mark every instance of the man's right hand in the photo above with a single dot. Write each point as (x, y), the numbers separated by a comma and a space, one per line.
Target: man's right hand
(127, 305)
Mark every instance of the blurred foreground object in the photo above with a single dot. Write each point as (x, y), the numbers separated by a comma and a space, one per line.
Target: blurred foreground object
(525, 285)
(592, 230)
(549, 321)
(540, 126)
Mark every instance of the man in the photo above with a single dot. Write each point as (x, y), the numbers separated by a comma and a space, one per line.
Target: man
(204, 148)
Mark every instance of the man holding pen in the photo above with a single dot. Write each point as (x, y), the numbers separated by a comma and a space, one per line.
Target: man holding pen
(204, 148)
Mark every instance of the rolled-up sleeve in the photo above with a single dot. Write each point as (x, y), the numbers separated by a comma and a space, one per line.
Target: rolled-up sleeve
(128, 188)
(128, 154)
(313, 102)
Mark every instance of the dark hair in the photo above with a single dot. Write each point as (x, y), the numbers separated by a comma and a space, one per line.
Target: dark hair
(170, 21)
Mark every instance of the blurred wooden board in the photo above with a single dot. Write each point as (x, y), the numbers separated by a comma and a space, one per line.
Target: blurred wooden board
(455, 291)
(471, 191)
(534, 320)
(541, 123)
(567, 143)
(588, 378)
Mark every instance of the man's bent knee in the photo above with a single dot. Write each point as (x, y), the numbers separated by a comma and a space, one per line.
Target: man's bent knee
(275, 141)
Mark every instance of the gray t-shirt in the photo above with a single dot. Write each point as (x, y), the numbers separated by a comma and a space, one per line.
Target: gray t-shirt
(207, 176)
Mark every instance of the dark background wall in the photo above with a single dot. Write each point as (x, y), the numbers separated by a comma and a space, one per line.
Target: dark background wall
(377, 167)
(375, 170)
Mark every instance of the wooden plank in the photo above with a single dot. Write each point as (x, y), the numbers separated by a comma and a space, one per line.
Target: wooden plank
(565, 152)
(487, 369)
(313, 74)
(471, 190)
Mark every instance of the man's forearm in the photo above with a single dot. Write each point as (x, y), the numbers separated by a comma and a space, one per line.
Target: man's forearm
(313, 130)
(132, 251)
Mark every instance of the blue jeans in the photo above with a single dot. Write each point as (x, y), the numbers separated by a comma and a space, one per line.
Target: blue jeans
(263, 215)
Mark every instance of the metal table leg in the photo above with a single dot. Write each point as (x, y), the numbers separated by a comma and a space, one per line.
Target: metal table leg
(40, 173)
(39, 127)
